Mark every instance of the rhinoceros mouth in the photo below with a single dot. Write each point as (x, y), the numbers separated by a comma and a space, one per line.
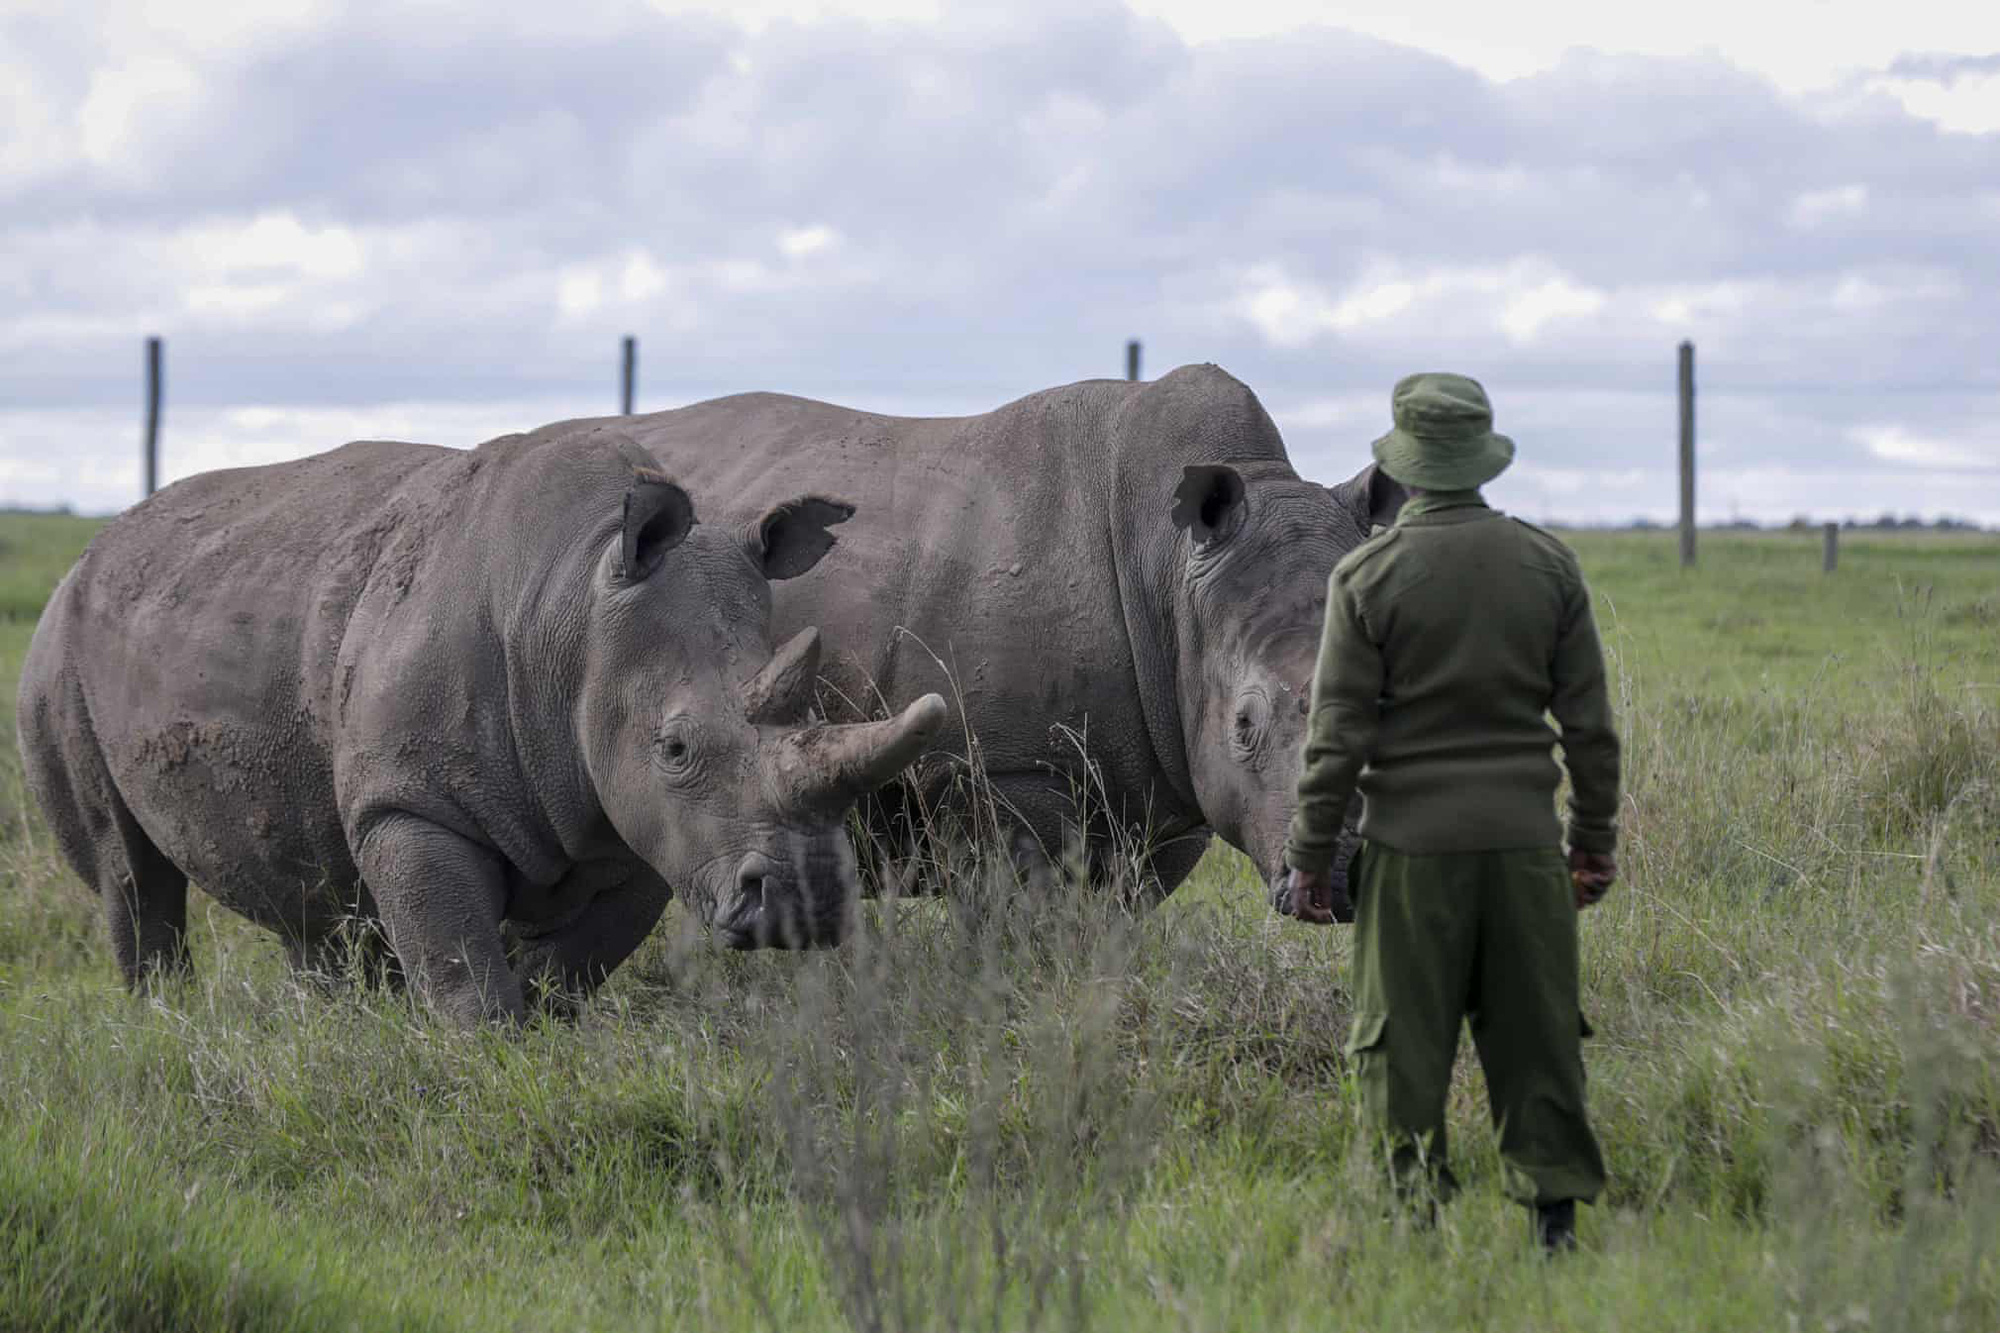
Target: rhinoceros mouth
(769, 913)
(800, 898)
(756, 925)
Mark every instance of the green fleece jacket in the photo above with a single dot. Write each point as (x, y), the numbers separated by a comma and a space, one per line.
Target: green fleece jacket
(1449, 640)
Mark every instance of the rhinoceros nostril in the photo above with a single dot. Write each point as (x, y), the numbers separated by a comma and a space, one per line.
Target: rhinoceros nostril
(753, 880)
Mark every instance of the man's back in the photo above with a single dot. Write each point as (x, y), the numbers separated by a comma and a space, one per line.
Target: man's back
(1469, 627)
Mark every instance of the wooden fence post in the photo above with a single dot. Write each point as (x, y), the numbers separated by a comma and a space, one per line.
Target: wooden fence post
(152, 415)
(1687, 454)
(1131, 358)
(1829, 555)
(629, 375)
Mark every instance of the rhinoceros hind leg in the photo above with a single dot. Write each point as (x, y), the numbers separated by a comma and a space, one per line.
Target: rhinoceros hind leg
(145, 905)
(441, 896)
(144, 894)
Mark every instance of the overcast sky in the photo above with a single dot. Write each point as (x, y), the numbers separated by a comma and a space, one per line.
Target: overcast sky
(435, 220)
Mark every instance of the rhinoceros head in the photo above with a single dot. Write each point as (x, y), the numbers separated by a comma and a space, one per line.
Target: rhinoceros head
(1261, 542)
(693, 730)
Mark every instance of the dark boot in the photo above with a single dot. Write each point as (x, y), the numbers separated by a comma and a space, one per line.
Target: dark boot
(1555, 1226)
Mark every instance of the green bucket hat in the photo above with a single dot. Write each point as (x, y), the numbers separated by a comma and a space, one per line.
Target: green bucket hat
(1444, 438)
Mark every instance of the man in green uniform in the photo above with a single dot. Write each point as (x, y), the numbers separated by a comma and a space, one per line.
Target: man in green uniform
(1449, 639)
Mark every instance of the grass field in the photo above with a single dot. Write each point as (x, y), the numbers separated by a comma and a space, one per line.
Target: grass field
(1047, 1114)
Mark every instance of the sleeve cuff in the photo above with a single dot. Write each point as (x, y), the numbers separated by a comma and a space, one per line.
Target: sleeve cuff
(1602, 842)
(1310, 862)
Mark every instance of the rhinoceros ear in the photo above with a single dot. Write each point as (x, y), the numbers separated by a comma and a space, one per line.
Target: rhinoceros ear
(1372, 495)
(658, 517)
(791, 538)
(1209, 504)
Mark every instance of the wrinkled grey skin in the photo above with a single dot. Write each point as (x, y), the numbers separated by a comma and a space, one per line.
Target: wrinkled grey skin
(1135, 561)
(498, 700)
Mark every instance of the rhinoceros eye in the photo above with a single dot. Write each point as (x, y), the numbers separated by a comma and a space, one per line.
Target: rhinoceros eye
(1253, 718)
(675, 747)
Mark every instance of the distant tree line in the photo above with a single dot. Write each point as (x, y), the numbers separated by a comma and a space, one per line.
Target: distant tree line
(1890, 523)
(1885, 522)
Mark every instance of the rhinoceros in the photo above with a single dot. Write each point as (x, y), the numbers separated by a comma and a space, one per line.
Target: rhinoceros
(501, 701)
(1123, 582)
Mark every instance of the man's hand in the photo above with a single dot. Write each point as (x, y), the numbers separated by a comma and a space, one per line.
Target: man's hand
(1314, 899)
(1592, 873)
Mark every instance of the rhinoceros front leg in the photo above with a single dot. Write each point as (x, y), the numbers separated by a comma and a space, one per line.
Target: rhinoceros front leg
(1172, 862)
(441, 896)
(564, 964)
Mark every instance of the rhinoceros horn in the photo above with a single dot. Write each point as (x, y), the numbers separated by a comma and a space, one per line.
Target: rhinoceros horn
(783, 690)
(832, 765)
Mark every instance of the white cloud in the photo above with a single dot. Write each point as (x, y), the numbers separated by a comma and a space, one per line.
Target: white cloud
(1681, 304)
(630, 285)
(804, 242)
(238, 301)
(1798, 44)
(88, 458)
(1572, 482)
(277, 242)
(642, 277)
(1290, 314)
(1519, 299)
(272, 267)
(131, 108)
(1525, 315)
(579, 292)
(201, 28)
(1350, 412)
(1869, 291)
(1895, 444)
(1814, 207)
(1590, 455)
(743, 277)
(1967, 104)
(757, 15)
(1367, 305)
(36, 140)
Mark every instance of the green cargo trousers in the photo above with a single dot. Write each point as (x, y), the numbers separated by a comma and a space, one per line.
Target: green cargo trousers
(1492, 936)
